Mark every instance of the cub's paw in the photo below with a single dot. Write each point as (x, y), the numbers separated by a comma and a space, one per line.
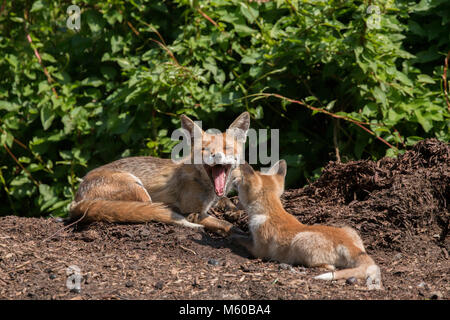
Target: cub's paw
(235, 231)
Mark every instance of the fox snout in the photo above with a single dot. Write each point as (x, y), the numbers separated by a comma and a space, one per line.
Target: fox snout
(218, 167)
(221, 158)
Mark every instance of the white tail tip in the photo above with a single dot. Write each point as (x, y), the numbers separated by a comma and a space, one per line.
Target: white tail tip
(190, 224)
(325, 276)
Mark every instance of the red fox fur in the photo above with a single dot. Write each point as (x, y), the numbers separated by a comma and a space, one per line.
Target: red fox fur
(140, 189)
(277, 235)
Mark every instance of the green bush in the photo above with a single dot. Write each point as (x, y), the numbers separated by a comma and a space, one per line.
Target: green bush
(349, 83)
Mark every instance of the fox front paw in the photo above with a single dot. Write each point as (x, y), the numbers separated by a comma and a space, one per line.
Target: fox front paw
(244, 240)
(237, 231)
(193, 217)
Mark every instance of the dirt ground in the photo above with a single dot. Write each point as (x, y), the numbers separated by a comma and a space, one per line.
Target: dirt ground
(399, 206)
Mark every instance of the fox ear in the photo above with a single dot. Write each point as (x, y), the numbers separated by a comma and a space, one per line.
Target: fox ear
(246, 170)
(279, 168)
(191, 127)
(240, 126)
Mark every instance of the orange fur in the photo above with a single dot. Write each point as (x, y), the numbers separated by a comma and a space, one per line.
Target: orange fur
(139, 189)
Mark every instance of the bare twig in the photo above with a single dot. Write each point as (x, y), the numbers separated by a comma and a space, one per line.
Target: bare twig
(133, 28)
(69, 225)
(208, 18)
(160, 43)
(153, 30)
(36, 53)
(168, 51)
(335, 139)
(187, 249)
(28, 149)
(402, 140)
(27, 262)
(159, 34)
(17, 141)
(444, 77)
(336, 116)
(17, 161)
(3, 7)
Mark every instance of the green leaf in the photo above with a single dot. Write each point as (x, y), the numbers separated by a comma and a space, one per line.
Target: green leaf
(394, 117)
(37, 6)
(94, 20)
(330, 105)
(117, 43)
(92, 82)
(248, 60)
(424, 122)
(12, 59)
(380, 95)
(370, 109)
(243, 30)
(423, 5)
(404, 78)
(47, 116)
(423, 78)
(47, 57)
(7, 138)
(17, 19)
(391, 153)
(412, 140)
(415, 28)
(9, 106)
(258, 112)
(311, 98)
(249, 11)
(47, 196)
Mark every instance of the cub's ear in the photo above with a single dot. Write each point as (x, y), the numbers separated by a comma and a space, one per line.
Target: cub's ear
(246, 170)
(240, 126)
(191, 127)
(279, 168)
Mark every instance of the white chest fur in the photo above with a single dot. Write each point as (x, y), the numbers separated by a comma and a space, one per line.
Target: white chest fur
(256, 221)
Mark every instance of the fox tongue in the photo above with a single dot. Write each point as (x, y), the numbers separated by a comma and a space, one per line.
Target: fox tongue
(218, 174)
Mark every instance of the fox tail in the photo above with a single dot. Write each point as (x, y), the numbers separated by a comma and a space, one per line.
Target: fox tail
(125, 211)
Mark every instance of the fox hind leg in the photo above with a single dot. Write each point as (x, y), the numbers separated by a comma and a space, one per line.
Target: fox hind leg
(111, 184)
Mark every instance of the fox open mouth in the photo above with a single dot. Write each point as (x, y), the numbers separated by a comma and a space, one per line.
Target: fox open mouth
(219, 176)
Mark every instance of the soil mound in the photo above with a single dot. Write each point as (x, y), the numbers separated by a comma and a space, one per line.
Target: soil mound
(385, 200)
(399, 206)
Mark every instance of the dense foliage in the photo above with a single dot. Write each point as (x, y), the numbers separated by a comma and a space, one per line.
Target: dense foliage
(353, 79)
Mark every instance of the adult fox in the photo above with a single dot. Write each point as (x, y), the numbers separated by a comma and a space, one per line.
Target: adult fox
(140, 189)
(278, 235)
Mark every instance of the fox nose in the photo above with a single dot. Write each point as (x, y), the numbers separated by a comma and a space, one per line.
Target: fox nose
(219, 157)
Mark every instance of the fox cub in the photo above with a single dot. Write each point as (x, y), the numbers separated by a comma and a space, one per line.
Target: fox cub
(277, 235)
(140, 189)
